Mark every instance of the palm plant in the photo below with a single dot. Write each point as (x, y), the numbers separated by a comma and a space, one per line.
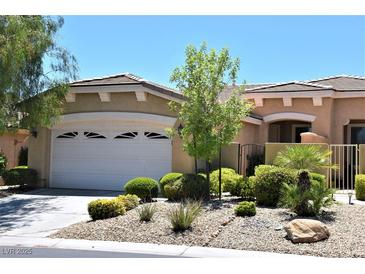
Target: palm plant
(310, 157)
(306, 200)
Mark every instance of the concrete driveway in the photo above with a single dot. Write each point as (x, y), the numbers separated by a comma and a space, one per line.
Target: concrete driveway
(41, 212)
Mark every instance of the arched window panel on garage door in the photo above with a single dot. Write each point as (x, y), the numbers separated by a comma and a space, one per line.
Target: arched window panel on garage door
(127, 135)
(93, 135)
(155, 135)
(68, 135)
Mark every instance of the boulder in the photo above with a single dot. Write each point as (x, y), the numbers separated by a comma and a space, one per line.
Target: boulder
(306, 231)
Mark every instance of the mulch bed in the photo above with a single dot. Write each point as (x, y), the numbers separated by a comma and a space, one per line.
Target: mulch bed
(218, 227)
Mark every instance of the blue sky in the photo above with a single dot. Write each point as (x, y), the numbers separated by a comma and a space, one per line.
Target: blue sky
(271, 48)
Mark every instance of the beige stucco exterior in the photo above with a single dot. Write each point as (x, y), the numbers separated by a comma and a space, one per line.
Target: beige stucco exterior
(327, 117)
(40, 147)
(10, 145)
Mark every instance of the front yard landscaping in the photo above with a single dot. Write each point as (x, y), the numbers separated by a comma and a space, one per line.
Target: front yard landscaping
(286, 209)
(218, 226)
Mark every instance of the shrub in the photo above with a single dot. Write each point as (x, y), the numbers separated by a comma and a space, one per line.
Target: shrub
(167, 179)
(269, 181)
(317, 177)
(104, 209)
(189, 186)
(306, 197)
(245, 209)
(360, 187)
(248, 188)
(244, 187)
(20, 175)
(3, 162)
(129, 201)
(146, 212)
(183, 215)
(228, 180)
(173, 192)
(144, 187)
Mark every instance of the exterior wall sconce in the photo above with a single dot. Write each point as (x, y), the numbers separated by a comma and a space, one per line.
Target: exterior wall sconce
(34, 133)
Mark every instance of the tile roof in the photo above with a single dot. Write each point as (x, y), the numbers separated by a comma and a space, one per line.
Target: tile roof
(288, 87)
(343, 82)
(127, 79)
(338, 83)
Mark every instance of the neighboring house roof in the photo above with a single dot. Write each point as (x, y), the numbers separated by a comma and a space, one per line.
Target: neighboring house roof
(289, 87)
(339, 83)
(127, 79)
(343, 82)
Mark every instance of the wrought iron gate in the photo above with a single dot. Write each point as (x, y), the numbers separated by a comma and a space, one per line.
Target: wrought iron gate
(346, 158)
(251, 155)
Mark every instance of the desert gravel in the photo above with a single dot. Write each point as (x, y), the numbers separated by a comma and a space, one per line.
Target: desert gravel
(218, 227)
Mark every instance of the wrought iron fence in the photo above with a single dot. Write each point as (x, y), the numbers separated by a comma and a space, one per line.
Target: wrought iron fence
(346, 158)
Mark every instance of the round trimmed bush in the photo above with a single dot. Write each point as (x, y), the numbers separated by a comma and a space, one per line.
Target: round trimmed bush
(167, 179)
(229, 180)
(129, 201)
(360, 187)
(245, 209)
(189, 186)
(144, 187)
(105, 208)
(173, 191)
(269, 181)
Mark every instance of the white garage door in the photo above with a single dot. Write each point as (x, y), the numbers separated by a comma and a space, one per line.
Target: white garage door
(101, 159)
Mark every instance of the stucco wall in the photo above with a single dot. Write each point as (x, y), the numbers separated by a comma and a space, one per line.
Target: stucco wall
(346, 109)
(181, 161)
(248, 134)
(11, 143)
(39, 154)
(322, 125)
(126, 101)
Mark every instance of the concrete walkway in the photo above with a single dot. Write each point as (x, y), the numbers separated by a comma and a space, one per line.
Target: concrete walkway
(41, 212)
(344, 198)
(138, 249)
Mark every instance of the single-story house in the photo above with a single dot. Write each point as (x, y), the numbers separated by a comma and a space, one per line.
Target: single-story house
(113, 128)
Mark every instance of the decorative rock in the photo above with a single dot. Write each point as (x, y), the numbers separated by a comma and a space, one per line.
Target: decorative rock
(279, 227)
(306, 231)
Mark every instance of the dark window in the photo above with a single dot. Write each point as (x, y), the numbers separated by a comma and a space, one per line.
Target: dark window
(357, 135)
(68, 135)
(154, 135)
(127, 135)
(298, 131)
(93, 135)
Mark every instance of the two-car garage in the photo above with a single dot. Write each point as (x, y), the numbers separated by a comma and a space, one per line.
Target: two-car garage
(100, 155)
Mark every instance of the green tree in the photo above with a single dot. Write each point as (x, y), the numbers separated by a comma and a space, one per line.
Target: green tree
(34, 71)
(209, 122)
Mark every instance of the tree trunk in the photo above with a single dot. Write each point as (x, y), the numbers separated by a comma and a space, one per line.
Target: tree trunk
(196, 165)
(207, 172)
(220, 172)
